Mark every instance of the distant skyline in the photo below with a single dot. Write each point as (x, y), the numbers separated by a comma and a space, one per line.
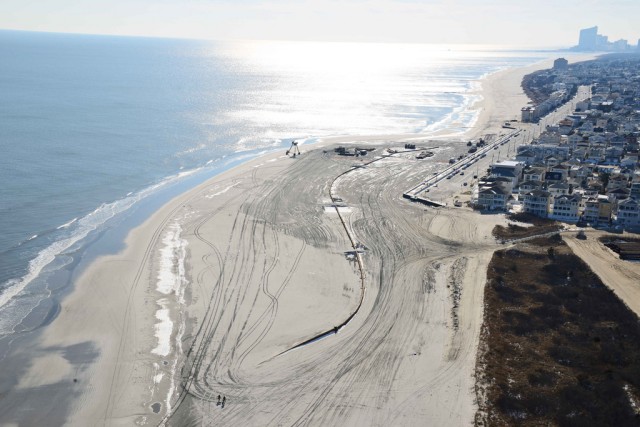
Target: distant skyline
(545, 23)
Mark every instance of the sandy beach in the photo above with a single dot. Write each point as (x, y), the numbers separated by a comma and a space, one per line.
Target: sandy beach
(214, 294)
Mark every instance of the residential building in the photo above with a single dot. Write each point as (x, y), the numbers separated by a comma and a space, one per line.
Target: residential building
(527, 186)
(533, 174)
(597, 210)
(628, 213)
(566, 208)
(635, 191)
(561, 64)
(507, 169)
(618, 194)
(553, 177)
(559, 189)
(536, 202)
(527, 157)
(493, 198)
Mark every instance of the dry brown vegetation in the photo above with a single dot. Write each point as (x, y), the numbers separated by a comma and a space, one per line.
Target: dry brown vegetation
(537, 226)
(558, 347)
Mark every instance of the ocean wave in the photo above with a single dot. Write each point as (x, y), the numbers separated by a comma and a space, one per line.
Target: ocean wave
(67, 224)
(192, 150)
(78, 229)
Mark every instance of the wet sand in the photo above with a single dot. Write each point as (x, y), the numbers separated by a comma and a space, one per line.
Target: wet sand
(214, 291)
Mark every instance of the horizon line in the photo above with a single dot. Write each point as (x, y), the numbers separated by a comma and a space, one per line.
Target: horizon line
(167, 37)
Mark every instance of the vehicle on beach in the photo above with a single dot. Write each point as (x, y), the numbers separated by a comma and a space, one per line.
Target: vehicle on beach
(424, 155)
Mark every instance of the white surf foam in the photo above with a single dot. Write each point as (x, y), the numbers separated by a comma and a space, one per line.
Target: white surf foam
(80, 228)
(67, 224)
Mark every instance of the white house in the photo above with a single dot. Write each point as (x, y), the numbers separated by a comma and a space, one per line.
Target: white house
(628, 213)
(536, 202)
(597, 210)
(558, 189)
(566, 208)
(507, 169)
(493, 198)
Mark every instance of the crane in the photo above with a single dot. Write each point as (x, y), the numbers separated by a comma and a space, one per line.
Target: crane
(293, 149)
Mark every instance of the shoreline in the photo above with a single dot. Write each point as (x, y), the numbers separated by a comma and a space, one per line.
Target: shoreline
(118, 326)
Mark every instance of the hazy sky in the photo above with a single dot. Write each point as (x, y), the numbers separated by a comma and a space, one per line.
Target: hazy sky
(514, 22)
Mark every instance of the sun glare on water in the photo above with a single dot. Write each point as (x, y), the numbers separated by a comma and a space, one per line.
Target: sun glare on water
(357, 87)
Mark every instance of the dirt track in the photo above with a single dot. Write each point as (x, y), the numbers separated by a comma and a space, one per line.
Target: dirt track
(269, 271)
(623, 277)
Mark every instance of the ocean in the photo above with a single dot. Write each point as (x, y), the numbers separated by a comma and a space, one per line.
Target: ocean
(97, 131)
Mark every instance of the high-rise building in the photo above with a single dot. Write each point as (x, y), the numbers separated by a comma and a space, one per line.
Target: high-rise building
(560, 64)
(588, 38)
(602, 42)
(620, 45)
(591, 41)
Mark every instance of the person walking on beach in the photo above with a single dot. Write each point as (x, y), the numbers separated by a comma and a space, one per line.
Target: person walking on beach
(224, 399)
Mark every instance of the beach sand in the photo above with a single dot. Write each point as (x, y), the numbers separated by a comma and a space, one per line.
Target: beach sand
(214, 291)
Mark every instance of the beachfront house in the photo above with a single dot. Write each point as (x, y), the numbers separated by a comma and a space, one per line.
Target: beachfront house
(628, 214)
(536, 202)
(566, 208)
(493, 198)
(528, 114)
(597, 210)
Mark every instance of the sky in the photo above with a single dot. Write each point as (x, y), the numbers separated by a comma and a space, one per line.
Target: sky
(541, 23)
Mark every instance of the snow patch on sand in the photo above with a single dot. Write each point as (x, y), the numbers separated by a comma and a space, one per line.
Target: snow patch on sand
(171, 282)
(163, 328)
(171, 271)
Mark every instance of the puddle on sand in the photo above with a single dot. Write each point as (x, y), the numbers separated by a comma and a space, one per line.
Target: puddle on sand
(156, 407)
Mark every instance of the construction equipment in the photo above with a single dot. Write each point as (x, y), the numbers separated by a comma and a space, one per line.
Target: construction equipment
(293, 149)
